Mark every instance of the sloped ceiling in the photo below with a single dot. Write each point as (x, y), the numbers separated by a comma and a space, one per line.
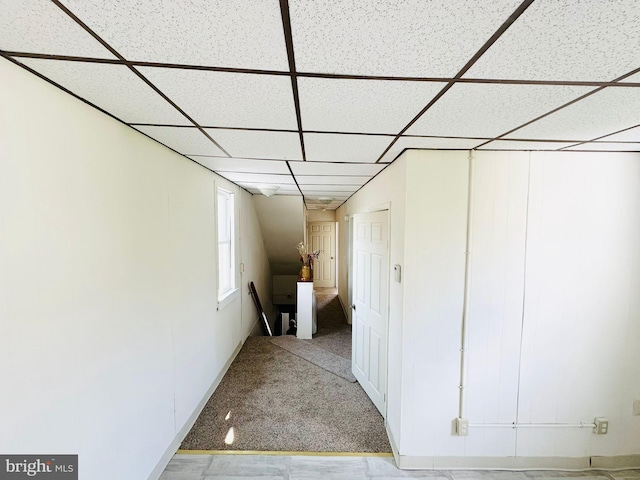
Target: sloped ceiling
(317, 97)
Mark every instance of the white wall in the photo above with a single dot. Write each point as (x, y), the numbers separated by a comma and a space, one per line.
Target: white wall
(256, 268)
(581, 339)
(435, 226)
(554, 316)
(496, 282)
(282, 219)
(384, 192)
(320, 216)
(109, 334)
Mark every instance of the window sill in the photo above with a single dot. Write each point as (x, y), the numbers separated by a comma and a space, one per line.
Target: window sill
(228, 297)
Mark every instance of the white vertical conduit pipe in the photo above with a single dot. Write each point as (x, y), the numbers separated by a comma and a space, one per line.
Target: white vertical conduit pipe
(465, 302)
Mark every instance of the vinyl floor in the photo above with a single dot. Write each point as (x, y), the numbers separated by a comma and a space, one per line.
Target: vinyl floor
(290, 467)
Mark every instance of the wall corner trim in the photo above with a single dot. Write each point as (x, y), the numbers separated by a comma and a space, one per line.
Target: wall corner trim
(175, 444)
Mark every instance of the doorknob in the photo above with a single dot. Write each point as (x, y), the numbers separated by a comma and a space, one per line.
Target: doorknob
(353, 307)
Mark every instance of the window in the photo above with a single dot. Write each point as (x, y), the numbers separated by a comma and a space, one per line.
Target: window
(226, 245)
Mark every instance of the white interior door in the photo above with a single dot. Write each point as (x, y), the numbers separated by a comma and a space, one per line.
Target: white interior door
(370, 304)
(322, 236)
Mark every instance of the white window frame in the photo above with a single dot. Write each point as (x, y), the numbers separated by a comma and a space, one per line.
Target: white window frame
(226, 246)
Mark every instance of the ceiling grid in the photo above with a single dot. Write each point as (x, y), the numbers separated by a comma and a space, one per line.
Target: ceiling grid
(318, 98)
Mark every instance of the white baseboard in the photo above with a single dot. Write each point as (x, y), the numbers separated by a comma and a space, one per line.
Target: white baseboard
(175, 444)
(407, 462)
(616, 462)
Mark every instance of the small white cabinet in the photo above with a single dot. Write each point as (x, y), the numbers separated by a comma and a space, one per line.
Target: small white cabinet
(307, 311)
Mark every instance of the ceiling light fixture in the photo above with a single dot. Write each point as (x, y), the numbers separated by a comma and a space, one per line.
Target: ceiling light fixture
(325, 200)
(268, 190)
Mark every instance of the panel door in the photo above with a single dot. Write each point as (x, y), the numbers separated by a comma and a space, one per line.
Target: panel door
(322, 236)
(370, 304)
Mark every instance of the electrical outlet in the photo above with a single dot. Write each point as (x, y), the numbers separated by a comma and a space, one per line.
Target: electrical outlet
(602, 426)
(462, 427)
(636, 407)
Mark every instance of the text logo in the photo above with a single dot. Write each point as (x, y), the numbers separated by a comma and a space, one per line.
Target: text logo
(39, 467)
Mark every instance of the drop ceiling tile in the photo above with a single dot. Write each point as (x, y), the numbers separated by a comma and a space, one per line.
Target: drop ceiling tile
(332, 188)
(259, 144)
(241, 165)
(223, 99)
(35, 26)
(331, 180)
(489, 110)
(402, 38)
(556, 40)
(608, 146)
(342, 169)
(520, 145)
(258, 178)
(213, 32)
(609, 110)
(113, 88)
(317, 205)
(370, 106)
(324, 208)
(322, 147)
(428, 143)
(335, 196)
(317, 200)
(188, 141)
(283, 190)
(631, 135)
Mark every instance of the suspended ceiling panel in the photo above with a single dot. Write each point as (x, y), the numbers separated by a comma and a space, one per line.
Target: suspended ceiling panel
(241, 165)
(42, 27)
(362, 105)
(114, 88)
(609, 110)
(329, 188)
(362, 72)
(325, 200)
(260, 179)
(344, 148)
(425, 142)
(489, 110)
(608, 146)
(223, 99)
(283, 190)
(331, 180)
(630, 135)
(342, 169)
(259, 144)
(519, 145)
(225, 33)
(189, 141)
(566, 40)
(322, 197)
(401, 38)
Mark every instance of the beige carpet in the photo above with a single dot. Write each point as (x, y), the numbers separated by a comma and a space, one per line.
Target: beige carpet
(276, 401)
(320, 357)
